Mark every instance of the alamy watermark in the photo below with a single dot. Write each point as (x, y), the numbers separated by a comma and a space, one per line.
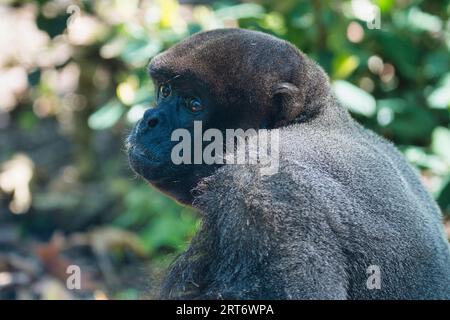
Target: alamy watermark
(73, 281)
(374, 20)
(374, 279)
(236, 147)
(74, 11)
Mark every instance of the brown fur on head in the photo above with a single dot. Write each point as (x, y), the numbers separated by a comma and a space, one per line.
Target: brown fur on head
(262, 80)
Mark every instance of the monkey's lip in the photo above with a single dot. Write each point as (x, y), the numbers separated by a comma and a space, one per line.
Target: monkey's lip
(142, 153)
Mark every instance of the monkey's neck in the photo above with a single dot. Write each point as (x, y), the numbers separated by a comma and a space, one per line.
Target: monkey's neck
(320, 104)
(333, 114)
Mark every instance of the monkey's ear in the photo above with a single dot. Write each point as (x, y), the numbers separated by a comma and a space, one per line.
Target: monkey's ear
(288, 100)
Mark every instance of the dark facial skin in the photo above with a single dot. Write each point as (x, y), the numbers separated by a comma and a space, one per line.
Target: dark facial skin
(216, 77)
(149, 147)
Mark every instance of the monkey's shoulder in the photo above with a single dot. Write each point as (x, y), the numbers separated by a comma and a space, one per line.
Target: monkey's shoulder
(296, 190)
(327, 174)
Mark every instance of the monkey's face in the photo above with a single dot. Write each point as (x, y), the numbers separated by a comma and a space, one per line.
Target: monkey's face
(149, 145)
(223, 78)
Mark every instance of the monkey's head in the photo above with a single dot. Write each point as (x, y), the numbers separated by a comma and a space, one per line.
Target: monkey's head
(227, 79)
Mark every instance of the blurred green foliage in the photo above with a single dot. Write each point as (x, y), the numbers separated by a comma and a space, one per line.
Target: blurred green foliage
(160, 221)
(90, 78)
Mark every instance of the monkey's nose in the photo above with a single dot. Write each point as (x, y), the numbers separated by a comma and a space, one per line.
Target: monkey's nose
(151, 118)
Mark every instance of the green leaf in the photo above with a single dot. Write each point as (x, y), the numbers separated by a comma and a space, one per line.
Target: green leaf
(437, 63)
(414, 124)
(419, 157)
(27, 120)
(440, 97)
(139, 51)
(343, 66)
(169, 230)
(441, 142)
(424, 21)
(354, 98)
(401, 51)
(106, 116)
(385, 5)
(240, 11)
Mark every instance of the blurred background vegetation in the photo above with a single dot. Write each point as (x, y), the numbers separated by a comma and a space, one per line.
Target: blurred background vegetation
(73, 81)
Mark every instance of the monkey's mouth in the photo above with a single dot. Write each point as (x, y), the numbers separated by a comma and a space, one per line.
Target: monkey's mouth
(141, 154)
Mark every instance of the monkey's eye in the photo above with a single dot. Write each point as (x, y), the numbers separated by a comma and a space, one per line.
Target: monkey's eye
(193, 104)
(165, 90)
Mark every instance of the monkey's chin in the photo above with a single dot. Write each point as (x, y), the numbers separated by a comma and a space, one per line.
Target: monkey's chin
(147, 167)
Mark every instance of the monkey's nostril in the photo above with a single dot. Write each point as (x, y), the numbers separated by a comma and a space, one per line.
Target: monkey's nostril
(152, 122)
